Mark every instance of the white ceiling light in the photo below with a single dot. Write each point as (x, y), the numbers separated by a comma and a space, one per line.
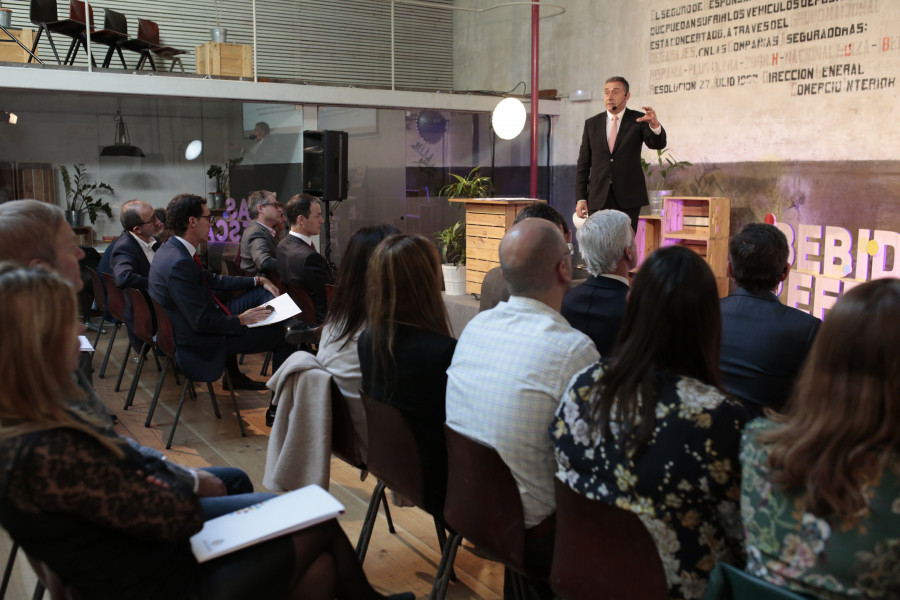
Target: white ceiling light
(508, 118)
(193, 150)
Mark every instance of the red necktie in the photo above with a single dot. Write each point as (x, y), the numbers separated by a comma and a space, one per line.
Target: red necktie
(313, 244)
(208, 289)
(612, 132)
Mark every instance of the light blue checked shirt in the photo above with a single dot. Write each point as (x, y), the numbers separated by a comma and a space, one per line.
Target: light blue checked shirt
(511, 367)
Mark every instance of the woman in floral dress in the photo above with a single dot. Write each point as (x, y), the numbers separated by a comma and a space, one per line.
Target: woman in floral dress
(649, 431)
(820, 498)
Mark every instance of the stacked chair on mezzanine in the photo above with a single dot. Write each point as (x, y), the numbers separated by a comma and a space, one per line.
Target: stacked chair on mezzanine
(44, 15)
(165, 341)
(394, 459)
(114, 32)
(483, 505)
(602, 551)
(147, 45)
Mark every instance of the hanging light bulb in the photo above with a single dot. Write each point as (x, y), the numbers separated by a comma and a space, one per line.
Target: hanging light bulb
(122, 144)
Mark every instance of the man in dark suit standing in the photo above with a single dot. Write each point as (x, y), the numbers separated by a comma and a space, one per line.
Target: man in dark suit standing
(298, 262)
(206, 329)
(597, 306)
(258, 248)
(608, 173)
(764, 342)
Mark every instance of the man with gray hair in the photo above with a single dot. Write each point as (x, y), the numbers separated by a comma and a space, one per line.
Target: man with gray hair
(597, 306)
(510, 368)
(258, 247)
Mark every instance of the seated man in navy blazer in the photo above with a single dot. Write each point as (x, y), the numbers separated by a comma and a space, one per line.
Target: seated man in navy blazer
(764, 342)
(207, 329)
(596, 307)
(298, 261)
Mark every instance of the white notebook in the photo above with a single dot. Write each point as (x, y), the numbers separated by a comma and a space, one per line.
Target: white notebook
(285, 514)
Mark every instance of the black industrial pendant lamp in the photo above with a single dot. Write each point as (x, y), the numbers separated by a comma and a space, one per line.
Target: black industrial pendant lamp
(122, 145)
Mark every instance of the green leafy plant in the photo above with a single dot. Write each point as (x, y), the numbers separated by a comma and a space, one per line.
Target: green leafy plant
(665, 165)
(222, 175)
(81, 191)
(470, 186)
(452, 242)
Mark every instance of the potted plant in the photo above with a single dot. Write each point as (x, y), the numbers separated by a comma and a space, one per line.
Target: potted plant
(657, 175)
(5, 16)
(452, 242)
(80, 196)
(470, 186)
(222, 176)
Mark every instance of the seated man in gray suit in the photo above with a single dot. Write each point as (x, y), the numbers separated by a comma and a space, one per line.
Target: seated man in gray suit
(258, 248)
(298, 261)
(596, 307)
(764, 342)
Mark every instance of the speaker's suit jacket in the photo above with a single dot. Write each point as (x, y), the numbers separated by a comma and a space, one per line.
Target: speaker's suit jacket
(764, 344)
(131, 269)
(258, 250)
(598, 169)
(199, 324)
(299, 264)
(596, 308)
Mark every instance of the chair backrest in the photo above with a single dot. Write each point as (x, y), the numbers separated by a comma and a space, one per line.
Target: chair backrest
(115, 21)
(302, 299)
(42, 11)
(393, 455)
(143, 319)
(76, 12)
(115, 299)
(231, 268)
(602, 551)
(165, 337)
(329, 293)
(483, 502)
(99, 290)
(343, 438)
(730, 583)
(51, 581)
(148, 31)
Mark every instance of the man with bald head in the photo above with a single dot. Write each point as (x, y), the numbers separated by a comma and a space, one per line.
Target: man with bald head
(511, 366)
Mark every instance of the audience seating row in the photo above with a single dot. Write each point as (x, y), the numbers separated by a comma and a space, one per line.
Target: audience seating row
(114, 35)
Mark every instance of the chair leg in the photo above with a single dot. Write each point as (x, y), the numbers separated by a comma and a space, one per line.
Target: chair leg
(112, 339)
(37, 38)
(387, 513)
(445, 568)
(122, 367)
(159, 384)
(52, 45)
(129, 400)
(178, 413)
(122, 58)
(212, 396)
(369, 522)
(99, 331)
(7, 572)
(38, 591)
(265, 366)
(237, 410)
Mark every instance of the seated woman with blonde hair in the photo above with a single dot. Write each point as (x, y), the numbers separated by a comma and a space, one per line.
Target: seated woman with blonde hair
(820, 497)
(649, 430)
(110, 521)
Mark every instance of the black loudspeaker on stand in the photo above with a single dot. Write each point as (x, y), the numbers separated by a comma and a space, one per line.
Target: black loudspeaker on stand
(325, 173)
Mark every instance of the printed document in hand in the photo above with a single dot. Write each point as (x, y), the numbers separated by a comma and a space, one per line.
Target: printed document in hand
(285, 308)
(278, 516)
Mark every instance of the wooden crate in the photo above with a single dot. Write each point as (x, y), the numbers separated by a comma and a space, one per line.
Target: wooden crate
(228, 60)
(702, 225)
(10, 51)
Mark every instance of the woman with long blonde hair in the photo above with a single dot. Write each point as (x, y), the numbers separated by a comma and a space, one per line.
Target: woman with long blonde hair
(109, 520)
(820, 497)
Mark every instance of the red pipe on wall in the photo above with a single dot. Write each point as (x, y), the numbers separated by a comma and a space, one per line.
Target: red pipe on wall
(535, 63)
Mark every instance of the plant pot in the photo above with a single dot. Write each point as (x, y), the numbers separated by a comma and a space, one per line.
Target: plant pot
(5, 17)
(454, 279)
(217, 199)
(656, 198)
(75, 218)
(218, 34)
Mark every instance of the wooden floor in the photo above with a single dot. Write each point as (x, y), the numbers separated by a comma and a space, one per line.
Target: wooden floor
(396, 563)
